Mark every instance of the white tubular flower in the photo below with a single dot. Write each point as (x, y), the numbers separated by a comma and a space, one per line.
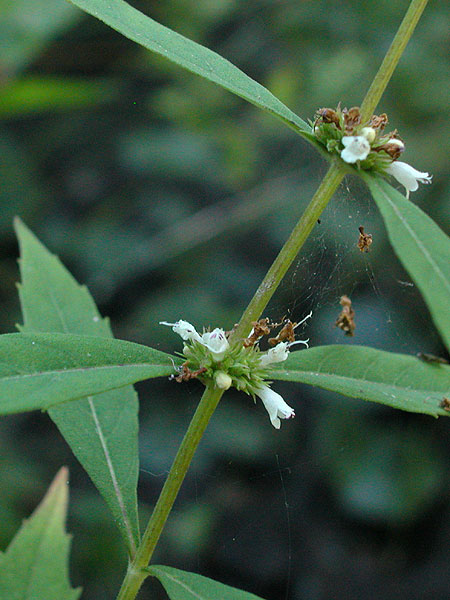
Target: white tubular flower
(184, 329)
(356, 148)
(275, 406)
(216, 342)
(408, 176)
(277, 354)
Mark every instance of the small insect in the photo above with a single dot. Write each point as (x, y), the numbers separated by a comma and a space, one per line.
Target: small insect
(365, 240)
(431, 358)
(445, 403)
(345, 321)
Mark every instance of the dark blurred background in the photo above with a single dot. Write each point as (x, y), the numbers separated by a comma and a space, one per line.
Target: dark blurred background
(170, 197)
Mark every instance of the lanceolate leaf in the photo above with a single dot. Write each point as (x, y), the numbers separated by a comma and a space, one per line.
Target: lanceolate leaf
(422, 247)
(398, 380)
(188, 54)
(41, 370)
(52, 301)
(35, 565)
(182, 585)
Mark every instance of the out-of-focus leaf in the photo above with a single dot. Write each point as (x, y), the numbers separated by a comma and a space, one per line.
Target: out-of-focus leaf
(192, 56)
(20, 186)
(422, 247)
(53, 301)
(26, 27)
(182, 585)
(38, 94)
(41, 370)
(35, 565)
(398, 380)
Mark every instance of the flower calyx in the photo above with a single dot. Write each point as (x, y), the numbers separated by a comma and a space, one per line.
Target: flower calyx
(242, 365)
(366, 145)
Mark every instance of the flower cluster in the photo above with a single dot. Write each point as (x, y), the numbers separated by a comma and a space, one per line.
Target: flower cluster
(365, 145)
(209, 356)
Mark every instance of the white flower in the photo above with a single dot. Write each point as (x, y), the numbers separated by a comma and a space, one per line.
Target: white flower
(408, 176)
(356, 148)
(184, 329)
(277, 354)
(216, 342)
(275, 406)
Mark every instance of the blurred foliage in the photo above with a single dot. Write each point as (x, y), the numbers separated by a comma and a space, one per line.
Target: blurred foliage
(170, 197)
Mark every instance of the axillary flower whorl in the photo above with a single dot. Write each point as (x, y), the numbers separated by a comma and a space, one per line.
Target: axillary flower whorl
(210, 357)
(365, 145)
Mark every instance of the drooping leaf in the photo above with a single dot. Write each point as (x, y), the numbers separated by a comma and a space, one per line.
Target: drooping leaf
(53, 301)
(182, 585)
(422, 247)
(188, 54)
(35, 565)
(41, 370)
(398, 380)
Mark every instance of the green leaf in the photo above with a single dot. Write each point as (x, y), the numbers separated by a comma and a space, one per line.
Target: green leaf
(422, 247)
(398, 380)
(35, 565)
(53, 301)
(182, 585)
(41, 370)
(188, 54)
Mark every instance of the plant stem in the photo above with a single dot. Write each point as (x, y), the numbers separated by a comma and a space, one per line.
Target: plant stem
(392, 57)
(290, 249)
(136, 573)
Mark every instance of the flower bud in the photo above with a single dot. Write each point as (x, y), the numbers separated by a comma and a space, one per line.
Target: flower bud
(222, 380)
(369, 133)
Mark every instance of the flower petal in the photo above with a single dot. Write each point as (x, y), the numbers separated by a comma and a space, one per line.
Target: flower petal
(279, 353)
(407, 175)
(275, 406)
(356, 148)
(216, 342)
(184, 329)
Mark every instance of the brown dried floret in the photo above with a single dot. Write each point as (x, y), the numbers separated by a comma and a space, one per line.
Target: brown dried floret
(287, 333)
(365, 240)
(352, 118)
(260, 328)
(327, 115)
(186, 374)
(345, 321)
(379, 122)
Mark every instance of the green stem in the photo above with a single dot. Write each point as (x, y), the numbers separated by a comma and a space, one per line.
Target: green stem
(290, 249)
(136, 573)
(392, 57)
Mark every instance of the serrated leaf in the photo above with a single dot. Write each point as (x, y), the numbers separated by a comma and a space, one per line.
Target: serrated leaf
(398, 380)
(182, 585)
(41, 370)
(53, 301)
(188, 54)
(422, 247)
(35, 565)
